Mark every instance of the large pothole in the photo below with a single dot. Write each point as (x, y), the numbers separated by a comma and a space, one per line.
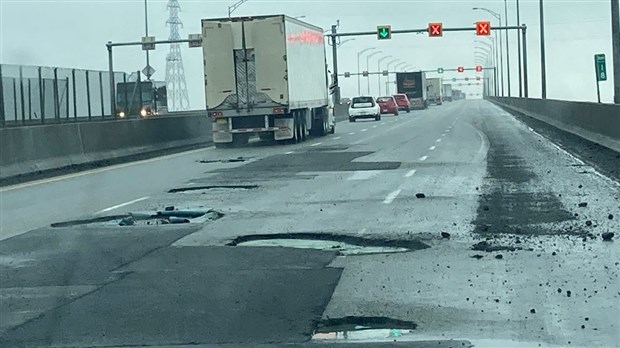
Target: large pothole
(344, 244)
(193, 189)
(164, 217)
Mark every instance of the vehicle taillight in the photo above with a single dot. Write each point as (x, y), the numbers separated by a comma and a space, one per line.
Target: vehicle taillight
(279, 110)
(216, 113)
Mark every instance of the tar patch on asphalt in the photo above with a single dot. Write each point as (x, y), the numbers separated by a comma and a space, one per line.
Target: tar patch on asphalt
(504, 207)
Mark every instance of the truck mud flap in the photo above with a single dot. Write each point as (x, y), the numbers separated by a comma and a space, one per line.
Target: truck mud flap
(285, 128)
(221, 133)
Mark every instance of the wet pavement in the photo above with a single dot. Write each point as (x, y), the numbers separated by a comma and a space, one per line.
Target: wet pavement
(457, 226)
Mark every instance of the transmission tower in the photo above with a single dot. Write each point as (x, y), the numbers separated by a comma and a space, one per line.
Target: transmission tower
(175, 74)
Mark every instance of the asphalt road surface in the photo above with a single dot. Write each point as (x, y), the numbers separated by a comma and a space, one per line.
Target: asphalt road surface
(456, 226)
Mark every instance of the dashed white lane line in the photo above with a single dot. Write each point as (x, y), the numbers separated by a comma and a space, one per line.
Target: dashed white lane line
(122, 205)
(448, 130)
(383, 123)
(443, 134)
(423, 158)
(410, 173)
(364, 174)
(336, 138)
(374, 126)
(316, 144)
(364, 130)
(352, 133)
(432, 148)
(289, 152)
(391, 197)
(438, 141)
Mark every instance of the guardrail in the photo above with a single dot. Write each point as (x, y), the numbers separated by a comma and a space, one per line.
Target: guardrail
(599, 123)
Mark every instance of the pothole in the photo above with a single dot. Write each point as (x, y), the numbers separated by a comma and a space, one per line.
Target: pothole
(488, 247)
(344, 244)
(212, 187)
(230, 160)
(362, 328)
(165, 217)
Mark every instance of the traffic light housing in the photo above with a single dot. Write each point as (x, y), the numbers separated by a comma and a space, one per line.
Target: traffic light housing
(440, 70)
(483, 28)
(365, 73)
(479, 68)
(435, 29)
(460, 69)
(384, 32)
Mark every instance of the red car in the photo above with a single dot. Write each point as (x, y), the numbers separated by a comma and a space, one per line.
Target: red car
(388, 105)
(403, 102)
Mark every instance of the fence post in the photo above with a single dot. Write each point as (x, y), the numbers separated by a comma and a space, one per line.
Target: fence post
(29, 100)
(101, 94)
(90, 114)
(15, 99)
(21, 94)
(67, 96)
(41, 97)
(2, 116)
(74, 95)
(56, 101)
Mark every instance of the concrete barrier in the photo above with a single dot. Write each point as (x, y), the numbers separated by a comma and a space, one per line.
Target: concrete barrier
(599, 123)
(31, 149)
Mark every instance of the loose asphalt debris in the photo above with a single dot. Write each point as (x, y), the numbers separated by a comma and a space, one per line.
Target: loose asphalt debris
(420, 195)
(477, 256)
(499, 256)
(610, 216)
(583, 204)
(588, 223)
(488, 247)
(445, 235)
(533, 311)
(607, 236)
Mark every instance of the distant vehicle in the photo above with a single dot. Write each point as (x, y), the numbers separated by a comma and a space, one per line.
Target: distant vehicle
(364, 107)
(434, 90)
(141, 98)
(388, 105)
(413, 85)
(447, 92)
(265, 75)
(403, 102)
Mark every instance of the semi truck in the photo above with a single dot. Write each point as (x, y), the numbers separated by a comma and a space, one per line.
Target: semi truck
(141, 98)
(447, 92)
(413, 85)
(265, 75)
(434, 90)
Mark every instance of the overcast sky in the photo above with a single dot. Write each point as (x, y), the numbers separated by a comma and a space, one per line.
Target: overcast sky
(71, 33)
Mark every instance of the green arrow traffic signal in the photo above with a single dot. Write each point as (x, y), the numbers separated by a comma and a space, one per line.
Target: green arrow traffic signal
(384, 32)
(440, 71)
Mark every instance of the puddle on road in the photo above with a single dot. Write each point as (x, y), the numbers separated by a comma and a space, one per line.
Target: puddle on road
(344, 244)
(342, 248)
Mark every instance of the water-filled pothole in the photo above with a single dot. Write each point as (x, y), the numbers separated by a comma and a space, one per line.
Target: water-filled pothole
(165, 217)
(212, 187)
(344, 244)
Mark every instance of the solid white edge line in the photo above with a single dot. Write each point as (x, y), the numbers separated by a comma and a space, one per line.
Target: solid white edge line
(423, 158)
(390, 198)
(100, 170)
(288, 153)
(121, 205)
(410, 173)
(336, 138)
(352, 133)
(316, 144)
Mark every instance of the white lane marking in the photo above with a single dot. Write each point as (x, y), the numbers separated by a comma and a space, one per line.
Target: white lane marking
(364, 174)
(316, 144)
(100, 170)
(121, 205)
(336, 138)
(432, 148)
(390, 198)
(438, 141)
(423, 158)
(352, 133)
(288, 153)
(448, 130)
(410, 173)
(443, 134)
(383, 123)
(365, 129)
(374, 126)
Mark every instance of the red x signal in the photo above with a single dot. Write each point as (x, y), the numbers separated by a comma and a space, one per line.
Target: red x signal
(435, 29)
(479, 68)
(483, 28)
(460, 69)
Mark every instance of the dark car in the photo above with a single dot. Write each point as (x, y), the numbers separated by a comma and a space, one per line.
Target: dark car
(388, 105)
(403, 102)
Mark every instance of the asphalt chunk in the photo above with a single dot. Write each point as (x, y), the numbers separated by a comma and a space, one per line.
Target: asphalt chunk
(533, 311)
(477, 256)
(588, 223)
(499, 256)
(420, 195)
(610, 216)
(445, 235)
(607, 236)
(583, 204)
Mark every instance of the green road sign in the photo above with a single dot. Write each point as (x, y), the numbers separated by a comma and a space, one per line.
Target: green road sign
(601, 70)
(384, 32)
(440, 71)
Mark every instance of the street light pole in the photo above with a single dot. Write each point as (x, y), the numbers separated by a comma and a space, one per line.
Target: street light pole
(234, 6)
(501, 53)
(387, 67)
(368, 68)
(543, 72)
(507, 46)
(359, 80)
(379, 71)
(146, 33)
(615, 37)
(519, 52)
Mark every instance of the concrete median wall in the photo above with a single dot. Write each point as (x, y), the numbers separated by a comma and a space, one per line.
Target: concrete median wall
(31, 149)
(599, 123)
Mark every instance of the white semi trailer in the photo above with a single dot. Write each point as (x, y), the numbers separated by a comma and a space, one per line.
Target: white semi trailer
(265, 75)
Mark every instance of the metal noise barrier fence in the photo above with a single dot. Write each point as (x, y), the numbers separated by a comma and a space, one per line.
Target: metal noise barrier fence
(38, 95)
